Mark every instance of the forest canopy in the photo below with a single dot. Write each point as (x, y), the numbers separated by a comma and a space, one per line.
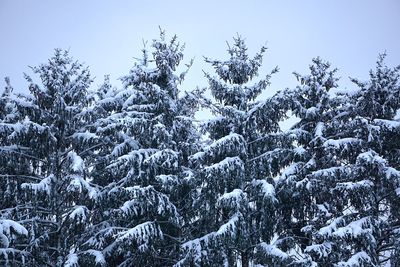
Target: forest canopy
(129, 176)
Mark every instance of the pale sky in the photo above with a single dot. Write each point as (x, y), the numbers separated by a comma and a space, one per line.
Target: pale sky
(107, 35)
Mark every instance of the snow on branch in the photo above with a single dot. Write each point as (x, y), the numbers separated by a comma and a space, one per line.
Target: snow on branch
(232, 200)
(76, 162)
(7, 230)
(230, 146)
(166, 159)
(321, 250)
(142, 235)
(271, 251)
(155, 202)
(44, 186)
(358, 259)
(266, 189)
(80, 185)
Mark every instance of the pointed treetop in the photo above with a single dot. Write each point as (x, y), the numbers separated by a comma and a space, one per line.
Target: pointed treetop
(8, 89)
(321, 74)
(239, 69)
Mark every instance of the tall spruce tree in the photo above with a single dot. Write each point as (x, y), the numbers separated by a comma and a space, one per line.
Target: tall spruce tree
(149, 134)
(13, 235)
(303, 199)
(54, 195)
(363, 216)
(339, 204)
(120, 177)
(235, 200)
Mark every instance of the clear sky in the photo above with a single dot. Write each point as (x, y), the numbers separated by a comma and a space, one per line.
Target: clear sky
(107, 35)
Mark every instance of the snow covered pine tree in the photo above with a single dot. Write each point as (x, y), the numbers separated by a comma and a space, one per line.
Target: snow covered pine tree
(303, 199)
(149, 133)
(13, 236)
(365, 183)
(235, 200)
(103, 179)
(54, 196)
(342, 202)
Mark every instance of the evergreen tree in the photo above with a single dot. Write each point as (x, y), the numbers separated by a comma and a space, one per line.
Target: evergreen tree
(46, 156)
(364, 187)
(149, 134)
(235, 201)
(122, 177)
(13, 235)
(339, 204)
(302, 197)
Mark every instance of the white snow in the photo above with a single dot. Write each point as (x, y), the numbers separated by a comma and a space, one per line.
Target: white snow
(188, 175)
(137, 155)
(354, 229)
(225, 68)
(86, 136)
(372, 157)
(120, 148)
(329, 229)
(7, 225)
(130, 206)
(397, 116)
(310, 112)
(355, 185)
(230, 141)
(229, 163)
(79, 213)
(195, 246)
(166, 158)
(290, 170)
(341, 142)
(319, 129)
(356, 260)
(392, 173)
(98, 256)
(77, 164)
(78, 184)
(166, 179)
(299, 150)
(43, 186)
(272, 250)
(323, 250)
(323, 209)
(349, 91)
(232, 199)
(72, 260)
(229, 228)
(141, 233)
(235, 194)
(390, 124)
(198, 156)
(20, 100)
(330, 172)
(267, 189)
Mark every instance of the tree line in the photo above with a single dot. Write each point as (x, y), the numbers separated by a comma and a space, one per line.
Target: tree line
(128, 177)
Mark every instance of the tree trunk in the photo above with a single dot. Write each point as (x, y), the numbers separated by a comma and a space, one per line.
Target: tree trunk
(245, 259)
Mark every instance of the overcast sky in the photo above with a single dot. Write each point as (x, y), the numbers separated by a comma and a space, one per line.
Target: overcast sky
(107, 35)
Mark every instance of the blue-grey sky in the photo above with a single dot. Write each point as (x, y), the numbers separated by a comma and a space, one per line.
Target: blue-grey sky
(107, 35)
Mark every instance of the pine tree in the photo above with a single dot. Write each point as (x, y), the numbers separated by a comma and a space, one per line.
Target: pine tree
(339, 205)
(122, 176)
(49, 171)
(13, 235)
(149, 133)
(235, 200)
(303, 199)
(363, 230)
